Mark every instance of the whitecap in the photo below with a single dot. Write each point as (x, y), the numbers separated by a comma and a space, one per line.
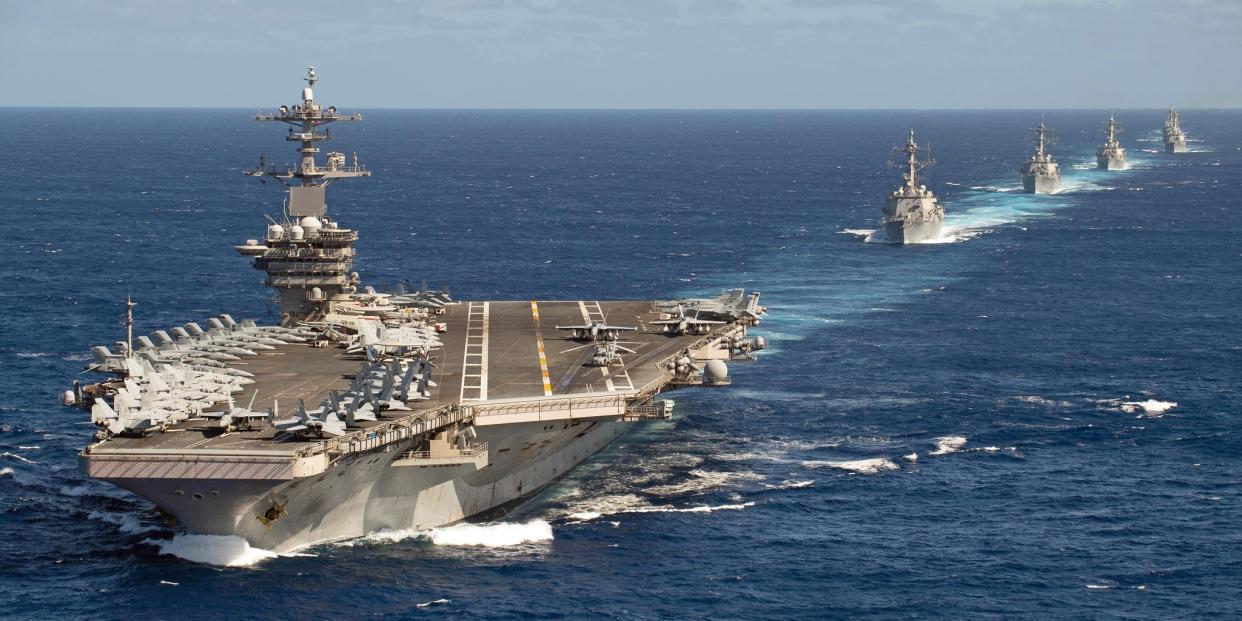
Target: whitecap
(6, 472)
(702, 481)
(1150, 407)
(17, 457)
(911, 457)
(440, 601)
(170, 583)
(129, 524)
(1037, 400)
(219, 550)
(490, 535)
(948, 444)
(33, 354)
(860, 466)
(791, 484)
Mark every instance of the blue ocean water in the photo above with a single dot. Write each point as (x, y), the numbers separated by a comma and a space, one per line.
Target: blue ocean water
(1034, 419)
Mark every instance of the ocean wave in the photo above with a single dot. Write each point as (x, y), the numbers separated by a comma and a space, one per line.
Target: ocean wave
(98, 491)
(703, 481)
(218, 550)
(1150, 408)
(17, 457)
(6, 472)
(437, 602)
(859, 466)
(948, 444)
(790, 484)
(33, 354)
(1037, 400)
(490, 535)
(630, 503)
(129, 524)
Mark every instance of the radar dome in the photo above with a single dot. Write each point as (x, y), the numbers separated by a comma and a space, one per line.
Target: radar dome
(715, 370)
(275, 232)
(311, 223)
(296, 233)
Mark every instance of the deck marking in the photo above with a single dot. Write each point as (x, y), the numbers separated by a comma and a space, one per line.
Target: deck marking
(474, 358)
(543, 356)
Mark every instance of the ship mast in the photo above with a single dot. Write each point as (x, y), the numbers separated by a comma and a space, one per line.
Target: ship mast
(912, 164)
(1040, 140)
(129, 326)
(1111, 128)
(308, 259)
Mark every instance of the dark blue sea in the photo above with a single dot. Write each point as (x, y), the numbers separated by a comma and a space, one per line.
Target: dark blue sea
(1036, 418)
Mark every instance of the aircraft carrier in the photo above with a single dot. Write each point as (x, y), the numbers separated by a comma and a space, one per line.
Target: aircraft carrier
(1040, 173)
(1174, 137)
(366, 410)
(1110, 155)
(912, 214)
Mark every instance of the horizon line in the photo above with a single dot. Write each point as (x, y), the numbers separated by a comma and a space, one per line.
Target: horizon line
(627, 109)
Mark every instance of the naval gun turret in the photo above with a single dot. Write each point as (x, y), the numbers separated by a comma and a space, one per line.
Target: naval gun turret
(1040, 173)
(912, 214)
(1174, 137)
(307, 256)
(1110, 155)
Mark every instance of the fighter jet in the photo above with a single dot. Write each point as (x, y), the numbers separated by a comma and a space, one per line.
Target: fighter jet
(683, 323)
(237, 418)
(607, 354)
(305, 424)
(596, 330)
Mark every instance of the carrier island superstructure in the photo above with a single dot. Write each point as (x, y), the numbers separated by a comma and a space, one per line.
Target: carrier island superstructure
(1110, 155)
(911, 213)
(1040, 173)
(1174, 137)
(365, 410)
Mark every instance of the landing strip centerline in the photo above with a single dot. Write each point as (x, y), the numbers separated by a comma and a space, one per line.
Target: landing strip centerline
(543, 356)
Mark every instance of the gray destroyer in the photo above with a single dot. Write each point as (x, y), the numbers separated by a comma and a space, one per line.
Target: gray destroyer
(1040, 173)
(1174, 137)
(912, 214)
(1110, 155)
(367, 410)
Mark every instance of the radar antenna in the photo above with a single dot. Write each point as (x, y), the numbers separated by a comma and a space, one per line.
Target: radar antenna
(912, 164)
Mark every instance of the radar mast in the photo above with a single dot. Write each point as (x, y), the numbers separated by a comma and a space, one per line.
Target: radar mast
(307, 256)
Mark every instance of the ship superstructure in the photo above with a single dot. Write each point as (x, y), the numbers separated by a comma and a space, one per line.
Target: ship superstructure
(1174, 137)
(911, 213)
(1040, 173)
(1110, 155)
(367, 410)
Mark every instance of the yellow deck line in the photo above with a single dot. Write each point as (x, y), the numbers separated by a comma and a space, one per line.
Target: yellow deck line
(543, 357)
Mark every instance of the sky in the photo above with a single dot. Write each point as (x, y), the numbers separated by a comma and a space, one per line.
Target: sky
(903, 54)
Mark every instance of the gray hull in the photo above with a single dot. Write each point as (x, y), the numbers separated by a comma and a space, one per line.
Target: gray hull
(1040, 184)
(906, 232)
(365, 493)
(1110, 163)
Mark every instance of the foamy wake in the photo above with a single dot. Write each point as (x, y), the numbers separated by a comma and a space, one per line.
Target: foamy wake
(859, 466)
(1037, 400)
(490, 535)
(948, 444)
(791, 484)
(702, 481)
(219, 550)
(1152, 408)
(630, 503)
(129, 524)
